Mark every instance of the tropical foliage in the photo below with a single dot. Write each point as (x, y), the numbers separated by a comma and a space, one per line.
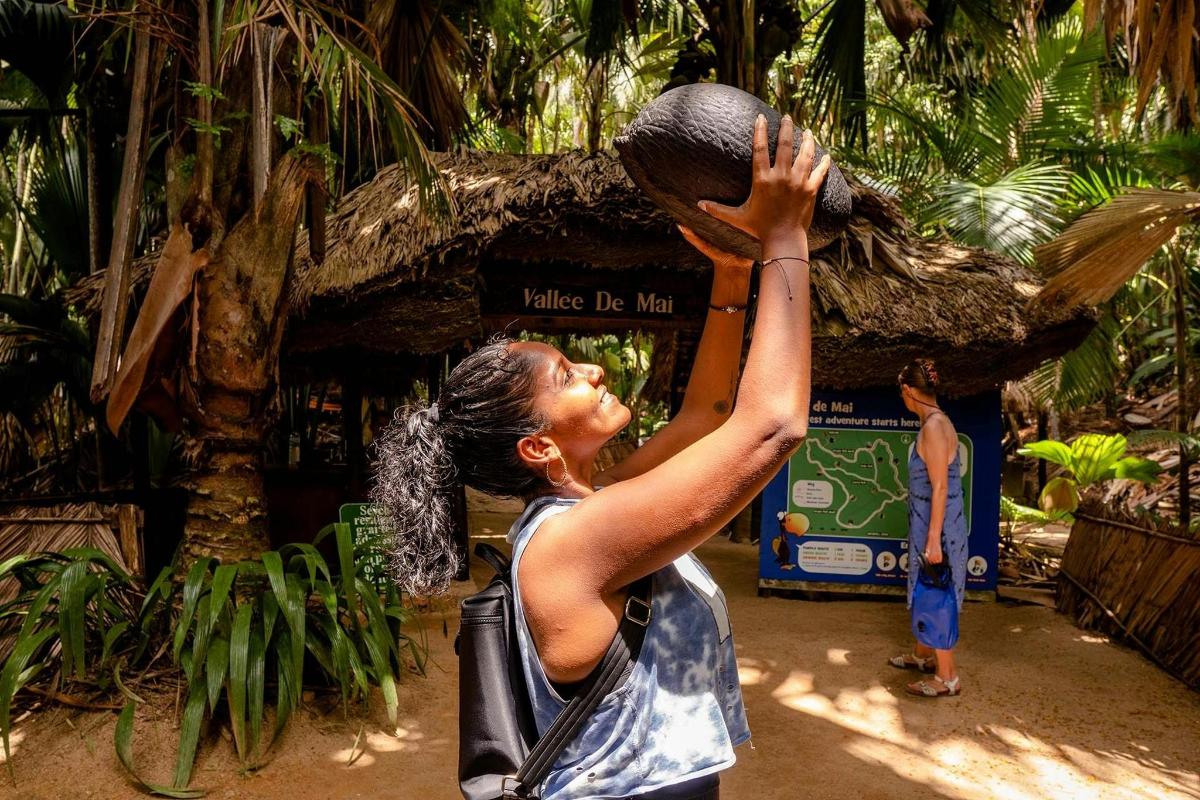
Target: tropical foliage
(1090, 459)
(247, 638)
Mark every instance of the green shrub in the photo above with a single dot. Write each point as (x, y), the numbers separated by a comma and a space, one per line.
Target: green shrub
(234, 630)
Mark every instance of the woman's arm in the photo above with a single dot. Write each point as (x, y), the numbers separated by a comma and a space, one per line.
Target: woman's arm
(711, 387)
(638, 526)
(937, 453)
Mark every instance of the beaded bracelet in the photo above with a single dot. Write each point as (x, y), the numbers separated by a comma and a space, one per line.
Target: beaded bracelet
(727, 309)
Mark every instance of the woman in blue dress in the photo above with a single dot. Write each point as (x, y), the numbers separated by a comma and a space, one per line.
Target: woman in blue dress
(937, 524)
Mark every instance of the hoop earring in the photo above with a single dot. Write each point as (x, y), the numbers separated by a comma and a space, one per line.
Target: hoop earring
(560, 483)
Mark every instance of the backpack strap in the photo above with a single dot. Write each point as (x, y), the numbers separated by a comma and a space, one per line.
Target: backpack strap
(595, 687)
(495, 559)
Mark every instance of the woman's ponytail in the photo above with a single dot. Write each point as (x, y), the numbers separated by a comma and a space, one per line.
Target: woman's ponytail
(468, 435)
(414, 484)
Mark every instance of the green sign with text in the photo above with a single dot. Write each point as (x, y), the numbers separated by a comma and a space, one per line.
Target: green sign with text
(367, 533)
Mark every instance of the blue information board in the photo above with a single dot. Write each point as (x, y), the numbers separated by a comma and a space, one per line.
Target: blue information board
(837, 513)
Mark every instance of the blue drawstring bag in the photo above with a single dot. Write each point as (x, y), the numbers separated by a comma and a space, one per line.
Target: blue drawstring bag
(934, 606)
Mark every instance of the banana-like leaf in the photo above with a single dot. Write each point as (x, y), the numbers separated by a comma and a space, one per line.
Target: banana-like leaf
(255, 689)
(189, 734)
(192, 587)
(345, 549)
(288, 688)
(221, 584)
(110, 639)
(71, 617)
(1050, 450)
(14, 676)
(125, 690)
(124, 744)
(194, 665)
(239, 659)
(215, 666)
(1135, 469)
(1094, 455)
(158, 592)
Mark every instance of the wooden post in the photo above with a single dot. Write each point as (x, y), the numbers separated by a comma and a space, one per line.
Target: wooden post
(115, 302)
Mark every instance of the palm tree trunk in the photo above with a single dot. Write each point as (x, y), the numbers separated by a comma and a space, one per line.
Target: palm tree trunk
(240, 328)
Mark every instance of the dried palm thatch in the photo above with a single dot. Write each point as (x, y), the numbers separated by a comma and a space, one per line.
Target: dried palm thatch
(393, 280)
(396, 282)
(28, 529)
(1138, 579)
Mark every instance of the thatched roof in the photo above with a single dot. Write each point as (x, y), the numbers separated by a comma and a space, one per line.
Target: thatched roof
(393, 281)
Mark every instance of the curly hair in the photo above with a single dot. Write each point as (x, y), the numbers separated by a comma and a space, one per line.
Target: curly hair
(468, 434)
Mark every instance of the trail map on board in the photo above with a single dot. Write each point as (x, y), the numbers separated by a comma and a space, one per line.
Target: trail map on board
(854, 483)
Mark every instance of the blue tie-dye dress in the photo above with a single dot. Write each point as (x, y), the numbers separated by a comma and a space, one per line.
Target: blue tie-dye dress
(677, 717)
(954, 528)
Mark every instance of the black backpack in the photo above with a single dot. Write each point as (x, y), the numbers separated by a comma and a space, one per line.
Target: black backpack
(499, 752)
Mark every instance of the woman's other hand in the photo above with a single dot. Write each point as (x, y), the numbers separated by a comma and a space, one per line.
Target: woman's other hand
(721, 260)
(783, 196)
(933, 552)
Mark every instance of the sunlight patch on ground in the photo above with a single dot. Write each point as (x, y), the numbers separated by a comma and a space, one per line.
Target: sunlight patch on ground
(375, 743)
(964, 766)
(838, 656)
(752, 672)
(15, 737)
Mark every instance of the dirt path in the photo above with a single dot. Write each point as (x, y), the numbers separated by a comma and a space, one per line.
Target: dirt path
(1047, 711)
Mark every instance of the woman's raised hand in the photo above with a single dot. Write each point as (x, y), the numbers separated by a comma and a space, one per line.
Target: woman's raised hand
(783, 195)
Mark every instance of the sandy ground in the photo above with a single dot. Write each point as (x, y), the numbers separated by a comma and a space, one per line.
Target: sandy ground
(1047, 711)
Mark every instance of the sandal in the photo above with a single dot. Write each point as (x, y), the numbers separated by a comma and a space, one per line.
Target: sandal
(913, 661)
(936, 687)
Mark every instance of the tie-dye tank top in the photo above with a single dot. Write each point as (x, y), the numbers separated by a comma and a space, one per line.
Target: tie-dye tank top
(679, 714)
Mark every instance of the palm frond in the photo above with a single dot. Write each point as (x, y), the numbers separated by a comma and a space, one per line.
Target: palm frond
(329, 54)
(1102, 249)
(1042, 100)
(58, 208)
(1165, 438)
(1011, 215)
(36, 38)
(1084, 375)
(425, 54)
